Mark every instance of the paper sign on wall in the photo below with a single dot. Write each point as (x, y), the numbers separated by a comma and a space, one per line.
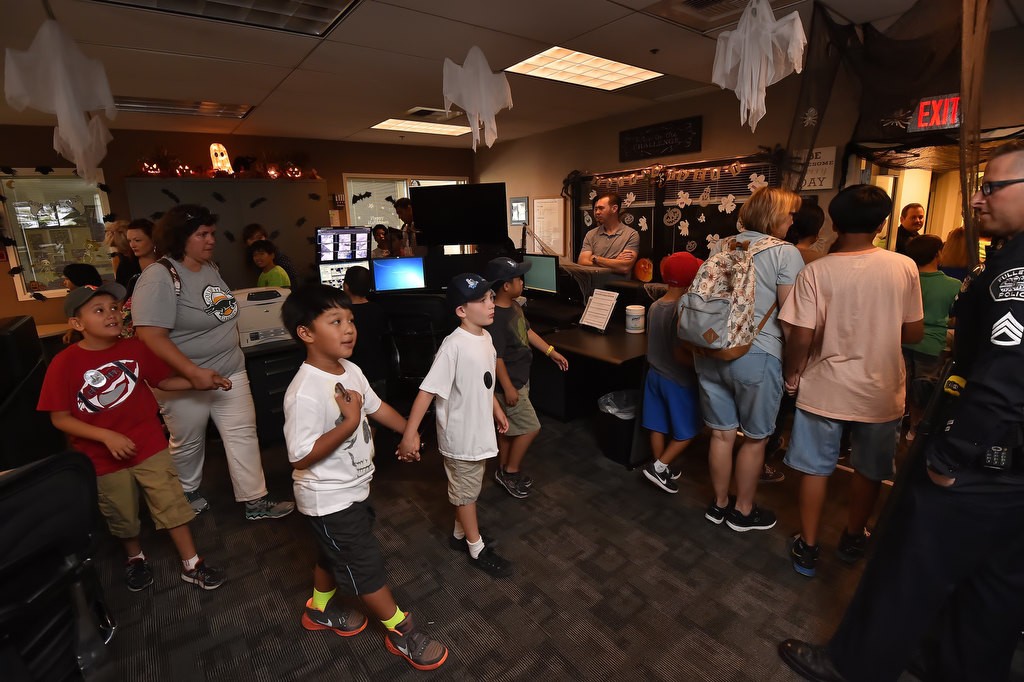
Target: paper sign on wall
(821, 169)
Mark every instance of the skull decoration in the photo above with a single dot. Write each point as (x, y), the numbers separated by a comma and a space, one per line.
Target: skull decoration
(219, 158)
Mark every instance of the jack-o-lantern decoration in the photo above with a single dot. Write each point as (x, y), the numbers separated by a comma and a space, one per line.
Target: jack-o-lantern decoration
(273, 172)
(183, 170)
(151, 168)
(643, 270)
(219, 159)
(293, 171)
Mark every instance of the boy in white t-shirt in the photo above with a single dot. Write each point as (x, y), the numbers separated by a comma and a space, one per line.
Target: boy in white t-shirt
(462, 379)
(331, 451)
(845, 322)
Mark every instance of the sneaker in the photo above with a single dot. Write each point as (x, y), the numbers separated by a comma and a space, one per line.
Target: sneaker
(339, 620)
(420, 650)
(716, 514)
(757, 519)
(852, 547)
(197, 501)
(489, 562)
(805, 557)
(204, 576)
(462, 545)
(663, 480)
(266, 508)
(138, 575)
(675, 474)
(770, 474)
(511, 483)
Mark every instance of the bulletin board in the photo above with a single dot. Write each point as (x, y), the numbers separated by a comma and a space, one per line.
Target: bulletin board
(548, 226)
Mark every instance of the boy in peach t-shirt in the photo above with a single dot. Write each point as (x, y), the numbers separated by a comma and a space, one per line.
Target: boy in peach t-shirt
(845, 322)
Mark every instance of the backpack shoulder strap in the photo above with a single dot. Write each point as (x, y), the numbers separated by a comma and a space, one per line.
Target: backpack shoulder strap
(175, 277)
(768, 242)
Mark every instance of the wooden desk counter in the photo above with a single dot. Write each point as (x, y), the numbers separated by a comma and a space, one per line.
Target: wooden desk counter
(45, 331)
(615, 347)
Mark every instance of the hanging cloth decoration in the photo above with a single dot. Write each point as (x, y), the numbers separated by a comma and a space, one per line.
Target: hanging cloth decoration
(54, 76)
(760, 52)
(480, 92)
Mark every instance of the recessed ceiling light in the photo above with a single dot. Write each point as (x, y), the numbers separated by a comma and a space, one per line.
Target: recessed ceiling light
(580, 68)
(151, 105)
(422, 127)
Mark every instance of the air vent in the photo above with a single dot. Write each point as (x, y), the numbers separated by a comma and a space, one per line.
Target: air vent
(433, 115)
(147, 105)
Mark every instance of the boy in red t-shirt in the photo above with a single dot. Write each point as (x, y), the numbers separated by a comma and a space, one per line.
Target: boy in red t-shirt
(95, 393)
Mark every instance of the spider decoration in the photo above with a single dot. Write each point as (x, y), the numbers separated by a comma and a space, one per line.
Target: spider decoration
(898, 119)
(810, 118)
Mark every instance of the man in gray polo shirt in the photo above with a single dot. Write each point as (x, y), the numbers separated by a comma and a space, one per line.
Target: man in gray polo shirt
(611, 244)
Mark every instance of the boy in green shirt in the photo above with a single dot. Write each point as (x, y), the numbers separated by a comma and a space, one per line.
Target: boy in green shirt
(271, 275)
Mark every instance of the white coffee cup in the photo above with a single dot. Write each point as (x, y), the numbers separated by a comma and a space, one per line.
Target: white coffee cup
(635, 319)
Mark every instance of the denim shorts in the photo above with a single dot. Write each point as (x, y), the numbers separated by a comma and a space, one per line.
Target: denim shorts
(670, 408)
(814, 448)
(743, 393)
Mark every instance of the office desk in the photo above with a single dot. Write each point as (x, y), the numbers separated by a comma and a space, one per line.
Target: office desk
(615, 347)
(271, 367)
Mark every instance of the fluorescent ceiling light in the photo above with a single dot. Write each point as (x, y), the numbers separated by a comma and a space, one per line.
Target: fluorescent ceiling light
(580, 68)
(422, 127)
(150, 105)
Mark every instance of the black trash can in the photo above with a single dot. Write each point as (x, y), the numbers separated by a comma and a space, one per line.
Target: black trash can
(616, 422)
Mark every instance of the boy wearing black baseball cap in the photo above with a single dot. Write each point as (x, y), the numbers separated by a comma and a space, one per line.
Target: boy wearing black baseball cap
(95, 391)
(462, 381)
(512, 338)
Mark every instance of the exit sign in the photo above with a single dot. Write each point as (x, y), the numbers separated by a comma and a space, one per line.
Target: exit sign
(936, 113)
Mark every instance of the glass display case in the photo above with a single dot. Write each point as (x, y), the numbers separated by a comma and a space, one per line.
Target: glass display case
(54, 220)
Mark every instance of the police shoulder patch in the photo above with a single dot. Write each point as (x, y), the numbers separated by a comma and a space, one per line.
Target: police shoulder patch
(1008, 286)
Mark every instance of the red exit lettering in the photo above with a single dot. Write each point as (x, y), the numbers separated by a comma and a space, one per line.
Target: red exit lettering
(936, 113)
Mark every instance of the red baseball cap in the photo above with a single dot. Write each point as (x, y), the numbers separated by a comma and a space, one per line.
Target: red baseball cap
(679, 269)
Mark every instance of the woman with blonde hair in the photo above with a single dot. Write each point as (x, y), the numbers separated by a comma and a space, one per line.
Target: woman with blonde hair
(743, 394)
(953, 258)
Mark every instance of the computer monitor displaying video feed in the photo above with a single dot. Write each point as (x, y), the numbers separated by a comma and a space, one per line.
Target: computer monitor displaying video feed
(543, 274)
(333, 274)
(340, 244)
(398, 274)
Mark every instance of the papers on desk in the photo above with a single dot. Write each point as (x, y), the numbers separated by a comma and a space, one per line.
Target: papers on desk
(599, 309)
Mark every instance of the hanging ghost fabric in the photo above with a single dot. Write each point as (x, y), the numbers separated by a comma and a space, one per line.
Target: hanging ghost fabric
(54, 76)
(760, 52)
(480, 92)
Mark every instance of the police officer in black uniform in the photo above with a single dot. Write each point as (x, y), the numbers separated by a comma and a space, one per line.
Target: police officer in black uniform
(952, 557)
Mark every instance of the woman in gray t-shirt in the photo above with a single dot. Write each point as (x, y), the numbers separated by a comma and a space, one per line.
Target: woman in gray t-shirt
(185, 313)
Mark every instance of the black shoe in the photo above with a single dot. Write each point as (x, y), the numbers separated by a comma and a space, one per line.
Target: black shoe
(852, 547)
(770, 474)
(462, 545)
(663, 480)
(512, 483)
(489, 562)
(138, 575)
(716, 514)
(805, 557)
(206, 577)
(757, 519)
(809, 661)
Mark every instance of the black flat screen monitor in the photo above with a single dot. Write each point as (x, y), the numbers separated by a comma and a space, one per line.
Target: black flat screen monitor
(543, 274)
(341, 244)
(333, 274)
(398, 274)
(460, 214)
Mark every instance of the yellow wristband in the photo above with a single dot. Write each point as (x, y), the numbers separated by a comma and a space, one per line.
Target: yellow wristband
(549, 351)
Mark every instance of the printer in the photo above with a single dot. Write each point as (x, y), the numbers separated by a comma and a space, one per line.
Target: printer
(259, 315)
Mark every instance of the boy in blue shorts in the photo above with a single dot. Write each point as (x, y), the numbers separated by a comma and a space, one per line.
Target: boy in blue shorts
(331, 451)
(671, 398)
(512, 338)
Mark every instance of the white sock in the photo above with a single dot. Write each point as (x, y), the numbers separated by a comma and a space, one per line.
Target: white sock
(459, 531)
(140, 555)
(476, 547)
(659, 467)
(190, 564)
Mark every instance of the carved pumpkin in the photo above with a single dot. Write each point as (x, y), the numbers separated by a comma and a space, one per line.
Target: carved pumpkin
(183, 170)
(219, 158)
(643, 270)
(151, 168)
(293, 171)
(273, 172)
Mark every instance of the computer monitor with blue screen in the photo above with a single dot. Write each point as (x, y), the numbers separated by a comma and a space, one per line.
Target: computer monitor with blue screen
(543, 273)
(398, 274)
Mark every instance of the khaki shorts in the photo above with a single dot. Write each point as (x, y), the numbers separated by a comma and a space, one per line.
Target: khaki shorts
(522, 418)
(158, 479)
(465, 479)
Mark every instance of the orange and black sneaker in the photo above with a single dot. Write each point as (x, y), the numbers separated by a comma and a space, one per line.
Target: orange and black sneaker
(420, 650)
(336, 618)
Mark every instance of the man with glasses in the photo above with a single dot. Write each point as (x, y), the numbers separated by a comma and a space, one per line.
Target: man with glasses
(953, 551)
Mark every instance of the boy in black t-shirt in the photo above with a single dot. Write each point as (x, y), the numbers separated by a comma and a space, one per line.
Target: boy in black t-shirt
(512, 338)
(372, 323)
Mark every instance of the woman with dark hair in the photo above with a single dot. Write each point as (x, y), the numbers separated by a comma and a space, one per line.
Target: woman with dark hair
(81, 275)
(140, 241)
(186, 314)
(126, 265)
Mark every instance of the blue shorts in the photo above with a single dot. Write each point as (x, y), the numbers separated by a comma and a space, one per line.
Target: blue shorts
(743, 393)
(670, 408)
(814, 448)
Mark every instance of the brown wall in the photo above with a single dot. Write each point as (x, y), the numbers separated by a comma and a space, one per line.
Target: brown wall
(29, 146)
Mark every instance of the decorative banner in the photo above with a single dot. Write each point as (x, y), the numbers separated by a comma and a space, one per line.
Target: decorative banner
(821, 169)
(682, 136)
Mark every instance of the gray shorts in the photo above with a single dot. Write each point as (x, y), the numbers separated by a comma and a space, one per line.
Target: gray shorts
(743, 393)
(465, 479)
(522, 418)
(815, 445)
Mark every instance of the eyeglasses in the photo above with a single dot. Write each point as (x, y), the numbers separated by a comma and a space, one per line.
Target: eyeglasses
(988, 187)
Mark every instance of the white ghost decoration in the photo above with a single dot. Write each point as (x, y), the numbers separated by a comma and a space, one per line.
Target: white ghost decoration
(219, 158)
(705, 197)
(54, 76)
(643, 223)
(757, 181)
(480, 92)
(628, 201)
(727, 205)
(684, 228)
(760, 52)
(683, 199)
